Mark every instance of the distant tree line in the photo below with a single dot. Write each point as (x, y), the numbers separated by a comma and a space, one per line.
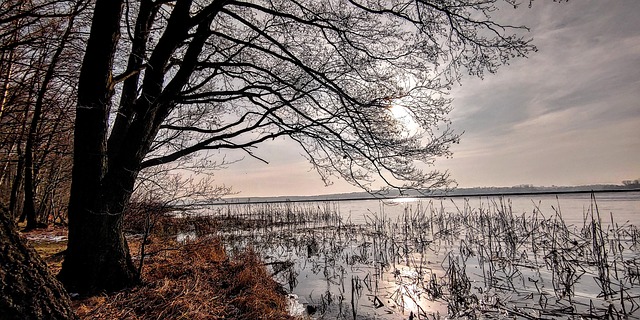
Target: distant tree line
(631, 183)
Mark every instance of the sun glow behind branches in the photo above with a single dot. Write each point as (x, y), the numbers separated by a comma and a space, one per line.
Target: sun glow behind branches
(405, 120)
(397, 106)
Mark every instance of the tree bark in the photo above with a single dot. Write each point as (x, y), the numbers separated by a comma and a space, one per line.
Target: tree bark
(105, 171)
(17, 182)
(97, 256)
(27, 288)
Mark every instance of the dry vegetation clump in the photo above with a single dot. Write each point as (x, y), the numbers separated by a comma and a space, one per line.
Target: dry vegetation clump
(196, 280)
(161, 220)
(141, 217)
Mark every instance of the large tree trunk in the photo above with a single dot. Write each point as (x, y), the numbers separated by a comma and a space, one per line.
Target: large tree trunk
(104, 171)
(97, 257)
(27, 288)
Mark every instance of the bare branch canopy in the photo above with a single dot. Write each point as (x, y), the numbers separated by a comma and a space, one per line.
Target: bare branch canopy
(164, 80)
(231, 74)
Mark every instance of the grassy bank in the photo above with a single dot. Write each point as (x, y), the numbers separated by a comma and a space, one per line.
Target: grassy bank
(190, 280)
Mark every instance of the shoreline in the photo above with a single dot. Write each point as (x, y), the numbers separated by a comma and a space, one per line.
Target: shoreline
(330, 198)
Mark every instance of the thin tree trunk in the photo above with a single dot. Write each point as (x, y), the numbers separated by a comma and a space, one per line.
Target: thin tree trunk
(29, 194)
(17, 183)
(7, 76)
(5, 168)
(3, 102)
(28, 206)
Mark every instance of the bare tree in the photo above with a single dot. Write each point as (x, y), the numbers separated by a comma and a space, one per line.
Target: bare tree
(44, 89)
(163, 80)
(37, 99)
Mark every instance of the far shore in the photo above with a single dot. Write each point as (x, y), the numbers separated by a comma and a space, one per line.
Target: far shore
(460, 193)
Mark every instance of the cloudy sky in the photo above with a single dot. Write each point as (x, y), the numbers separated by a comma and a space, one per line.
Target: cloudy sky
(567, 115)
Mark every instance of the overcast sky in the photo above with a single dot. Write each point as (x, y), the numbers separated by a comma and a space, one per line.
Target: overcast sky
(567, 115)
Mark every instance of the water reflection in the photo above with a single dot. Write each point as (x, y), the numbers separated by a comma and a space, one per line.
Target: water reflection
(430, 262)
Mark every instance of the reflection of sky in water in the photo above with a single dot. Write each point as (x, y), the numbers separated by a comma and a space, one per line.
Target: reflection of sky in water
(339, 275)
(624, 206)
(390, 262)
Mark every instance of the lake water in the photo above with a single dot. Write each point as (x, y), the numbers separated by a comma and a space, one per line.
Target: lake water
(624, 206)
(517, 256)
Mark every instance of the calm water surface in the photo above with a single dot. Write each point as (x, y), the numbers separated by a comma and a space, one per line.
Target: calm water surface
(533, 256)
(624, 206)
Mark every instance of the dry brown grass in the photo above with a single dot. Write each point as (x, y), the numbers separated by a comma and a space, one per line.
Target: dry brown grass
(197, 280)
(194, 280)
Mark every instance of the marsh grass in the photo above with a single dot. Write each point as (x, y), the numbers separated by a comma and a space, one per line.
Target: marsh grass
(428, 262)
